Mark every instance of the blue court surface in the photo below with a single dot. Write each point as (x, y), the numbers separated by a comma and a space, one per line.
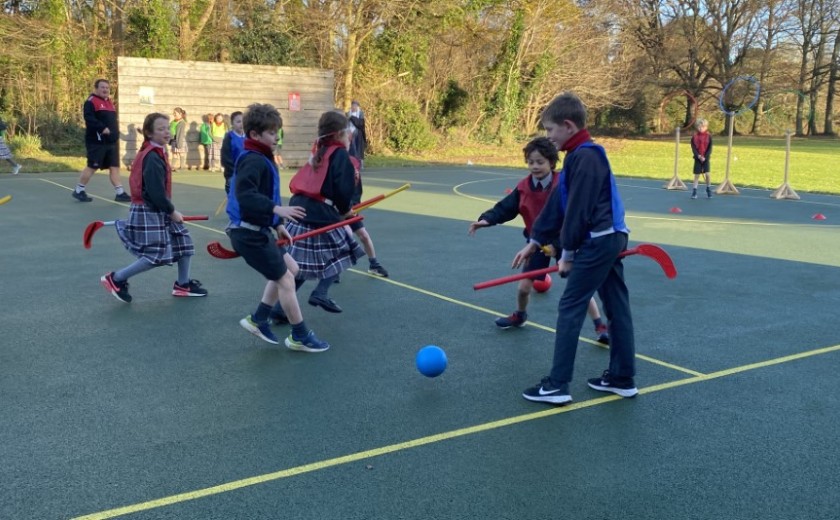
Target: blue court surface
(167, 409)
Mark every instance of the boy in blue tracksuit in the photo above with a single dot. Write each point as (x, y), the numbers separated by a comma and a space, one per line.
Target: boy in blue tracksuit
(586, 216)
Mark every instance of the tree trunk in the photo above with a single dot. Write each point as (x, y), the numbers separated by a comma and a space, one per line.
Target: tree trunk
(828, 128)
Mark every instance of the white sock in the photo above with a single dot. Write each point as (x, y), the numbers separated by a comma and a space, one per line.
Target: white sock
(80, 188)
(119, 190)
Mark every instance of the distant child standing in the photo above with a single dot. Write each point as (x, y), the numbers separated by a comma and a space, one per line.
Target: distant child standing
(278, 146)
(218, 129)
(324, 187)
(701, 149)
(5, 151)
(527, 200)
(205, 140)
(232, 146)
(154, 232)
(179, 138)
(586, 214)
(255, 209)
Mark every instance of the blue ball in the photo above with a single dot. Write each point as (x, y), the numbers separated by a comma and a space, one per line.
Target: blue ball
(431, 361)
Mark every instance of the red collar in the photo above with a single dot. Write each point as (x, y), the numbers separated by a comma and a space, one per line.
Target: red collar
(256, 146)
(576, 140)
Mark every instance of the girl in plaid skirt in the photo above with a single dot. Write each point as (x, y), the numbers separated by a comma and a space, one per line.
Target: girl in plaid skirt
(324, 188)
(154, 231)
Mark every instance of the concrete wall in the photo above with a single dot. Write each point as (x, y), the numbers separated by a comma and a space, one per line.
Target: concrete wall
(146, 85)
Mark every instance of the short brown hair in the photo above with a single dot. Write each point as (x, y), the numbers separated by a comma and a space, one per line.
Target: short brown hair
(261, 117)
(149, 123)
(566, 107)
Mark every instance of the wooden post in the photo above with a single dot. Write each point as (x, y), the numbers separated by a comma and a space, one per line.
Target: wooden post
(675, 183)
(726, 187)
(785, 191)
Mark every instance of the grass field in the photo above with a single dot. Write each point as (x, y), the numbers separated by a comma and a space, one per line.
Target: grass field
(756, 162)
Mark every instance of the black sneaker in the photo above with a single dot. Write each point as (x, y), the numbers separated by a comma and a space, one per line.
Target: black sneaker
(517, 319)
(123, 197)
(694, 194)
(118, 289)
(708, 192)
(378, 270)
(545, 392)
(623, 386)
(603, 334)
(193, 288)
(328, 304)
(81, 196)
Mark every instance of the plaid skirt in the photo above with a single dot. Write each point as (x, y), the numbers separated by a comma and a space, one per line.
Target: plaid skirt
(324, 255)
(154, 236)
(5, 152)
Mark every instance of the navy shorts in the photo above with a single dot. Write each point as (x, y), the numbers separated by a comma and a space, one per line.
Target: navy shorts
(102, 156)
(538, 260)
(260, 251)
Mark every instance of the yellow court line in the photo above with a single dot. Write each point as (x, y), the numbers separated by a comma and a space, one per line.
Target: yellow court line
(422, 441)
(89, 195)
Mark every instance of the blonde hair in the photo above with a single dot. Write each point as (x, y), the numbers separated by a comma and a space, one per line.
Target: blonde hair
(701, 123)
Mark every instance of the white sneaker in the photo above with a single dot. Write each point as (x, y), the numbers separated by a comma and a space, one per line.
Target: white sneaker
(17, 169)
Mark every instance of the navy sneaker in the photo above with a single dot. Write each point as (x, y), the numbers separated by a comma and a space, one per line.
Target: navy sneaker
(378, 270)
(623, 386)
(546, 392)
(708, 192)
(517, 319)
(260, 330)
(310, 343)
(193, 288)
(81, 196)
(123, 197)
(694, 193)
(603, 334)
(118, 289)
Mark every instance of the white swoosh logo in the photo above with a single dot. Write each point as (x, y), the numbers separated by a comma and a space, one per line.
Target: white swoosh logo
(543, 392)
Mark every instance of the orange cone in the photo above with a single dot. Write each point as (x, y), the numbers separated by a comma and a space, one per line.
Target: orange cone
(676, 210)
(818, 216)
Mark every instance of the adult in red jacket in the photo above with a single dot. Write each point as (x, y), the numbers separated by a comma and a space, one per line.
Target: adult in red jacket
(101, 134)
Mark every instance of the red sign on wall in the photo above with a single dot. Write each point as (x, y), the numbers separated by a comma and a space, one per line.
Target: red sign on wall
(294, 102)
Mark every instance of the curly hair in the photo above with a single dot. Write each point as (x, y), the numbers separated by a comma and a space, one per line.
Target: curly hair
(261, 117)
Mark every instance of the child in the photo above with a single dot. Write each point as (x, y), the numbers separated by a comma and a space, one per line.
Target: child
(232, 146)
(218, 129)
(205, 139)
(154, 231)
(278, 159)
(5, 152)
(701, 149)
(527, 200)
(374, 267)
(254, 208)
(179, 138)
(324, 187)
(586, 214)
